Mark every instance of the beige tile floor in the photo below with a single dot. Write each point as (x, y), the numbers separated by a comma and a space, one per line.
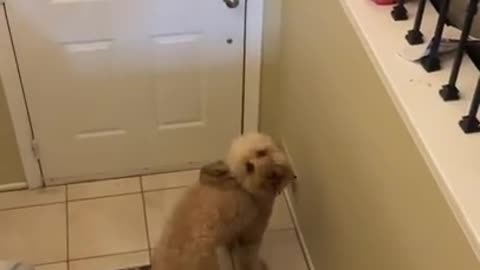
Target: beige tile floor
(113, 224)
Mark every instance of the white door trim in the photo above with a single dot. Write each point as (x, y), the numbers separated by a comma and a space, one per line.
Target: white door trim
(16, 104)
(19, 113)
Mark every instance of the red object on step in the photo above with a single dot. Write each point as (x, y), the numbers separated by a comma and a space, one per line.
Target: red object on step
(385, 2)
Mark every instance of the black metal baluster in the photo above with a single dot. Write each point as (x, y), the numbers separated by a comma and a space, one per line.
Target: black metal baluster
(399, 12)
(450, 91)
(431, 62)
(470, 123)
(415, 36)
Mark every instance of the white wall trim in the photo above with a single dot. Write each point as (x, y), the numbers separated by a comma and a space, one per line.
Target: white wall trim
(253, 63)
(16, 104)
(288, 195)
(299, 232)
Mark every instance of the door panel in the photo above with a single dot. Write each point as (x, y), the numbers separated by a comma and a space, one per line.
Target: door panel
(118, 87)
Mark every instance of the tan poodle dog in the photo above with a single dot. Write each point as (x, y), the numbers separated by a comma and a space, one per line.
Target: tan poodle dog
(230, 206)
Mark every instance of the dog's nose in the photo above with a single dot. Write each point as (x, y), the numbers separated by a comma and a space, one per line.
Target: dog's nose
(274, 175)
(277, 173)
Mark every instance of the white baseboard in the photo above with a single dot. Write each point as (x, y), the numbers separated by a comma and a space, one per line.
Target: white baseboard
(293, 213)
(13, 186)
(299, 233)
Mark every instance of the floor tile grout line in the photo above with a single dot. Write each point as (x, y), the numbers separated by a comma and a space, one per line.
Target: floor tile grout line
(170, 172)
(107, 255)
(145, 218)
(296, 229)
(32, 206)
(50, 263)
(95, 181)
(92, 198)
(141, 184)
(66, 200)
(165, 188)
(106, 196)
(91, 258)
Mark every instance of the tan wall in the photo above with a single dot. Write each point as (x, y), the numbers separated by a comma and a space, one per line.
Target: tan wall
(11, 170)
(366, 200)
(270, 64)
(457, 16)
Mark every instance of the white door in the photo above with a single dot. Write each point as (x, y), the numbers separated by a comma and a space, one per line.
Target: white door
(123, 87)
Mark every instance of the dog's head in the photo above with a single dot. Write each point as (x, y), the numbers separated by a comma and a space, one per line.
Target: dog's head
(259, 165)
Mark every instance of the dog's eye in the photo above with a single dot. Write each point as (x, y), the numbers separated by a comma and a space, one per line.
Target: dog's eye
(250, 167)
(261, 153)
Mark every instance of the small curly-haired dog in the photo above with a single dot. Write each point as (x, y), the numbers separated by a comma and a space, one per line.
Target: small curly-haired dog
(230, 206)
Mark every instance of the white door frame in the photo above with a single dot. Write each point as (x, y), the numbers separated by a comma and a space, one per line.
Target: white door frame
(19, 112)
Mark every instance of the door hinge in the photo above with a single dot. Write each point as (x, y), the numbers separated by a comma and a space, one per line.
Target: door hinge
(35, 150)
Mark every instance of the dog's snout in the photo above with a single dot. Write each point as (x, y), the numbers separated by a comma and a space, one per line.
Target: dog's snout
(261, 153)
(250, 167)
(276, 173)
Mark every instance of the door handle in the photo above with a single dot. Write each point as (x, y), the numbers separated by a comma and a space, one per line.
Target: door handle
(232, 3)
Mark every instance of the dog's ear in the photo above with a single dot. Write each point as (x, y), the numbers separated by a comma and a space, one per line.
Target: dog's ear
(214, 172)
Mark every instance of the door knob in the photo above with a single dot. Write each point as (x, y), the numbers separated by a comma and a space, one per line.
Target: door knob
(232, 3)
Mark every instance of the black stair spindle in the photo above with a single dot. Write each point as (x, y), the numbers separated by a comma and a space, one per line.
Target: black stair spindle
(415, 36)
(431, 62)
(470, 123)
(450, 91)
(399, 12)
